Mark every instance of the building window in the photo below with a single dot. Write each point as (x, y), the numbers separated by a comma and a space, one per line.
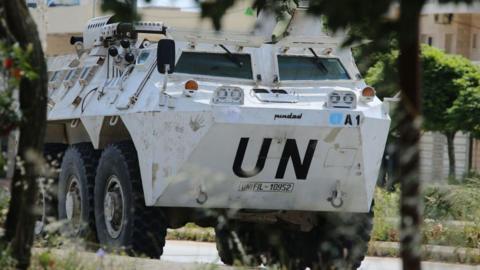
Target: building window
(430, 41)
(474, 41)
(448, 43)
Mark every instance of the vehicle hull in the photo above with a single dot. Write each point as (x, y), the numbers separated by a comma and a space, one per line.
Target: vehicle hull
(214, 159)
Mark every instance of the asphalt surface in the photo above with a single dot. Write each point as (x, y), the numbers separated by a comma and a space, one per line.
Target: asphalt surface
(197, 252)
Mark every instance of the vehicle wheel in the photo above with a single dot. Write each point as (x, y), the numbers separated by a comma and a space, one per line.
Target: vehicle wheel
(291, 249)
(342, 240)
(47, 209)
(236, 244)
(75, 190)
(122, 219)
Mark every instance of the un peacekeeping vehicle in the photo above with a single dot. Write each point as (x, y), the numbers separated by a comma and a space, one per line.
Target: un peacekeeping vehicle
(272, 138)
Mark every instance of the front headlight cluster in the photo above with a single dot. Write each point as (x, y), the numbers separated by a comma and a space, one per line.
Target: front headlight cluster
(228, 95)
(342, 99)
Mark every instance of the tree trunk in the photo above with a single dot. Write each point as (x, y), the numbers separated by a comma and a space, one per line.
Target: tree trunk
(451, 154)
(409, 129)
(33, 103)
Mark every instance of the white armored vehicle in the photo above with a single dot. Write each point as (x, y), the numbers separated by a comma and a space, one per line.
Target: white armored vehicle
(275, 144)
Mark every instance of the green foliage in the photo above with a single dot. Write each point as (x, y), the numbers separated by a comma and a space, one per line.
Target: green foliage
(123, 10)
(383, 75)
(369, 53)
(46, 260)
(385, 208)
(6, 260)
(4, 200)
(192, 232)
(449, 88)
(15, 66)
(466, 109)
(452, 216)
(433, 233)
(9, 117)
(386, 203)
(441, 203)
(458, 202)
(438, 206)
(50, 260)
(444, 77)
(215, 10)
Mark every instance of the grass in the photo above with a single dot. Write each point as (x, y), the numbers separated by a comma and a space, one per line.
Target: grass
(191, 232)
(457, 255)
(454, 202)
(442, 204)
(47, 260)
(433, 233)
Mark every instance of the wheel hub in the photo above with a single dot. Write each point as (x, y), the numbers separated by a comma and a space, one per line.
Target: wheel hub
(113, 207)
(73, 205)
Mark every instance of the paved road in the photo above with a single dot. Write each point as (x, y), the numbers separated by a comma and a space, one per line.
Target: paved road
(188, 252)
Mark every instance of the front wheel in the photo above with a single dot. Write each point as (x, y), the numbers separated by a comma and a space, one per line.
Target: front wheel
(75, 186)
(122, 219)
(341, 240)
(237, 244)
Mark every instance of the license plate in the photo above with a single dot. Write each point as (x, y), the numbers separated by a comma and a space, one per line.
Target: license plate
(266, 187)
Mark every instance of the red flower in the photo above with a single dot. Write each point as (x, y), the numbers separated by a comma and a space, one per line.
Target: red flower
(8, 63)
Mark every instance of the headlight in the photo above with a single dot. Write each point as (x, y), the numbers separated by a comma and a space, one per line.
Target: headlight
(334, 98)
(228, 95)
(342, 99)
(349, 98)
(222, 94)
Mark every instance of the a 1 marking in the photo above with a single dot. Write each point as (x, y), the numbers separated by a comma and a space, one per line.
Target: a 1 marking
(344, 119)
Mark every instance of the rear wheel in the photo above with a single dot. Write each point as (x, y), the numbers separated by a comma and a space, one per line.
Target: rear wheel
(75, 189)
(47, 210)
(123, 221)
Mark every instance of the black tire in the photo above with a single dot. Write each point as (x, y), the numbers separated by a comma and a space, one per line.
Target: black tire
(47, 210)
(77, 173)
(237, 244)
(293, 251)
(143, 228)
(341, 240)
(227, 251)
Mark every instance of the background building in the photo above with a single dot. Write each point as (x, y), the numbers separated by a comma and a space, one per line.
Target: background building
(456, 30)
(62, 19)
